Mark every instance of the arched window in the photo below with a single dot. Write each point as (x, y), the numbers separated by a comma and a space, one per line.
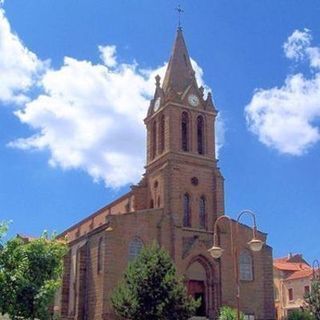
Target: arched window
(200, 135)
(202, 212)
(185, 131)
(135, 247)
(100, 255)
(161, 134)
(151, 204)
(246, 268)
(186, 211)
(154, 140)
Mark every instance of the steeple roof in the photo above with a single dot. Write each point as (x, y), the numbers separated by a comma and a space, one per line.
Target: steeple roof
(179, 72)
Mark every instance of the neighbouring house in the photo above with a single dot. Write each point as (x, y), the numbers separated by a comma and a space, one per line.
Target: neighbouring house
(292, 280)
(176, 203)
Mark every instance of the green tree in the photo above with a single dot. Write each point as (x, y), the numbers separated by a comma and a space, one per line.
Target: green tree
(228, 313)
(300, 315)
(151, 289)
(30, 274)
(4, 225)
(312, 299)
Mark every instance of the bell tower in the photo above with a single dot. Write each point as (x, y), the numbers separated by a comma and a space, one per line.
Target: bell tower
(182, 176)
(190, 126)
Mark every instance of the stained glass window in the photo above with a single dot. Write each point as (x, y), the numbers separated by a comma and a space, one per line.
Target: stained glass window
(135, 247)
(184, 131)
(200, 135)
(202, 212)
(246, 272)
(186, 211)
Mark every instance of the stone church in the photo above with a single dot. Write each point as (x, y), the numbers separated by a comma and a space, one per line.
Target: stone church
(175, 204)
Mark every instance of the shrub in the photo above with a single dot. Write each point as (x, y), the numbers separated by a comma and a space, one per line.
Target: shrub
(300, 315)
(228, 313)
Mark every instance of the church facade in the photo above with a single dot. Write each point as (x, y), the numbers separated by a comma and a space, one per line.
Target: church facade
(175, 204)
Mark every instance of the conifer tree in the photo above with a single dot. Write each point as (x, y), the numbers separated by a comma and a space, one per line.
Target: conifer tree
(151, 289)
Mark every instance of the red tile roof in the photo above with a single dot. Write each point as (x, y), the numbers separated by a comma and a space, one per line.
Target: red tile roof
(300, 274)
(291, 266)
(293, 262)
(295, 267)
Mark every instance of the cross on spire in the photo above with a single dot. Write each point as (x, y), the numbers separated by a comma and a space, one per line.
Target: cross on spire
(180, 11)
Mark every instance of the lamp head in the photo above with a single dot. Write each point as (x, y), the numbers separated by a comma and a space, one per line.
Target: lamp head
(255, 244)
(216, 252)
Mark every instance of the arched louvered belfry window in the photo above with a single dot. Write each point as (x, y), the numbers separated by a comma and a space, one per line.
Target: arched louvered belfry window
(153, 140)
(186, 210)
(185, 131)
(135, 246)
(202, 212)
(200, 134)
(246, 266)
(100, 255)
(161, 134)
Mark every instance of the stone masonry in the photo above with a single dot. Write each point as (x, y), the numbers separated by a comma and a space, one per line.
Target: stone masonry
(175, 204)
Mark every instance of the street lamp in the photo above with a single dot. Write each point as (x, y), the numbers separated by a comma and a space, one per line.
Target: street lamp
(254, 244)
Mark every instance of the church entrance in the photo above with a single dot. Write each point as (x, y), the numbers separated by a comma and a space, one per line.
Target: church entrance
(199, 276)
(197, 290)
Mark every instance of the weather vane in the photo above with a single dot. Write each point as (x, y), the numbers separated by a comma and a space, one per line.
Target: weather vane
(180, 11)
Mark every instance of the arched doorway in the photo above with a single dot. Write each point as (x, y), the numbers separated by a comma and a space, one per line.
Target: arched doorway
(200, 285)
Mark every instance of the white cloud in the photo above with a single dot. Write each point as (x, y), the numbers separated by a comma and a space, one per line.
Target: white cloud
(294, 47)
(90, 117)
(220, 130)
(285, 118)
(108, 55)
(19, 66)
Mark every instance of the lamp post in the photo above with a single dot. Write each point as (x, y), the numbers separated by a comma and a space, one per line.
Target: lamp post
(254, 244)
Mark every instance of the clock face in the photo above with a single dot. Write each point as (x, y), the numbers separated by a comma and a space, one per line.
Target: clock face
(193, 100)
(157, 104)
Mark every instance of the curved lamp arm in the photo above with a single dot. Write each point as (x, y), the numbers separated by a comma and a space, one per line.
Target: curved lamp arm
(215, 228)
(217, 251)
(255, 244)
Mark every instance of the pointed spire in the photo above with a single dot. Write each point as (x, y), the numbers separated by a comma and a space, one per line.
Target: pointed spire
(179, 72)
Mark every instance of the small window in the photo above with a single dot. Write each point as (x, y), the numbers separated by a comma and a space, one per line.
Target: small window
(158, 203)
(100, 255)
(248, 317)
(186, 211)
(200, 135)
(306, 289)
(135, 247)
(290, 294)
(202, 212)
(185, 132)
(154, 140)
(162, 134)
(246, 272)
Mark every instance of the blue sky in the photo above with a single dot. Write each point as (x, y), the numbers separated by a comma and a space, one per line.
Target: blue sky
(75, 79)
